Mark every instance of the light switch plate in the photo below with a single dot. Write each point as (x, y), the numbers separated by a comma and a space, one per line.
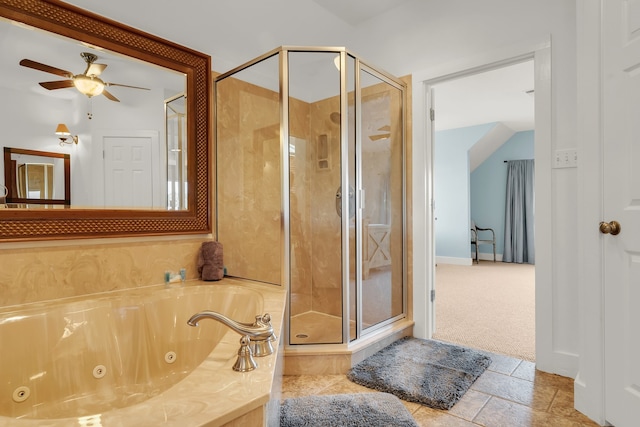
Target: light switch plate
(565, 158)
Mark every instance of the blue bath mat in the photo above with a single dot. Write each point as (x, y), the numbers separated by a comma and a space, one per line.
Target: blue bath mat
(341, 410)
(429, 372)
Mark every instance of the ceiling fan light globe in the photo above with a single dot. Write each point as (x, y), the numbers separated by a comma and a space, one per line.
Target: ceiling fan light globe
(88, 85)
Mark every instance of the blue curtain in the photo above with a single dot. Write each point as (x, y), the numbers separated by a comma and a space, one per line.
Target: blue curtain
(518, 227)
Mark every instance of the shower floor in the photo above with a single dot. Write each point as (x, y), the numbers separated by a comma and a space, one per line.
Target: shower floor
(313, 327)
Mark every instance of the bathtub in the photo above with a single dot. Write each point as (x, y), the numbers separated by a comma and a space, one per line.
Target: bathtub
(129, 358)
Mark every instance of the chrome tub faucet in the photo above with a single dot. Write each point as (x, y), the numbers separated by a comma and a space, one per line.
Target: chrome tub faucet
(255, 341)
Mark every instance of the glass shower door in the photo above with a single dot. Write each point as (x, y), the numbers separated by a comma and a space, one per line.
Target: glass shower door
(315, 192)
(249, 172)
(382, 224)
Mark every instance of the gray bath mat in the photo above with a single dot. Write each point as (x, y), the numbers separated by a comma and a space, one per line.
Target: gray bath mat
(429, 372)
(340, 410)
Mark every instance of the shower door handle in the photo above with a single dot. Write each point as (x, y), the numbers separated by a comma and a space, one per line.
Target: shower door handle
(352, 202)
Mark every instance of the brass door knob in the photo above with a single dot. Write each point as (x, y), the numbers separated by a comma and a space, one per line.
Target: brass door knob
(612, 227)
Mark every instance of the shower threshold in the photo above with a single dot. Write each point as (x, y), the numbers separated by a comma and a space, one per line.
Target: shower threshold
(337, 358)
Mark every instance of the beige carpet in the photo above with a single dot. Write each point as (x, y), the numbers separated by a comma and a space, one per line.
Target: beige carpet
(488, 306)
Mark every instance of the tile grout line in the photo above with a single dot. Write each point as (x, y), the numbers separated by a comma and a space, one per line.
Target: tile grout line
(337, 379)
(516, 368)
(491, 396)
(548, 410)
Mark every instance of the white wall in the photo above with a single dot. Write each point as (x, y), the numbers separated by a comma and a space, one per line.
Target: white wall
(29, 124)
(452, 191)
(30, 119)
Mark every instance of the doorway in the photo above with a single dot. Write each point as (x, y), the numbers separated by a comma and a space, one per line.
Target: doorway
(495, 135)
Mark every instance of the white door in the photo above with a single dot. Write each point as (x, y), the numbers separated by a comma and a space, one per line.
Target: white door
(621, 166)
(128, 172)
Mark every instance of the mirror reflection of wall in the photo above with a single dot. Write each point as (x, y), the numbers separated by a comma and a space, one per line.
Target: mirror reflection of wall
(30, 111)
(176, 147)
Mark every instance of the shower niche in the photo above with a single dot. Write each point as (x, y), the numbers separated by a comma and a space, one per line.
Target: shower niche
(294, 127)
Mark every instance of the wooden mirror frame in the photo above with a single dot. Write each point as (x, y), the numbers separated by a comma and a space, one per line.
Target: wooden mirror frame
(10, 179)
(76, 23)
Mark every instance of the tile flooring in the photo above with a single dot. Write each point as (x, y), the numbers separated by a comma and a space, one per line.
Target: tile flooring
(510, 393)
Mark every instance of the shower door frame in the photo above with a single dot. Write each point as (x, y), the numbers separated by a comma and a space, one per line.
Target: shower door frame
(360, 67)
(285, 267)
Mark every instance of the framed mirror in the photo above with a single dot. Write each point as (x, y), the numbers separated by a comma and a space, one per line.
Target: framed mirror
(36, 178)
(105, 49)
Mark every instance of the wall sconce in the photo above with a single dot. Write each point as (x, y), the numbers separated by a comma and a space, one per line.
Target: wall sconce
(63, 133)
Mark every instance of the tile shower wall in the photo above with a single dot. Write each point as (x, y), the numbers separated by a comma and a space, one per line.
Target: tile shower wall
(40, 273)
(249, 202)
(326, 269)
(248, 165)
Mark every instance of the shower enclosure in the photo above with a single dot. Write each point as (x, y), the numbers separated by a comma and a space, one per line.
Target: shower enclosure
(310, 172)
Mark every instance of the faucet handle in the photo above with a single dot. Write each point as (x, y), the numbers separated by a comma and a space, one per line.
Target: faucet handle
(263, 347)
(265, 320)
(245, 362)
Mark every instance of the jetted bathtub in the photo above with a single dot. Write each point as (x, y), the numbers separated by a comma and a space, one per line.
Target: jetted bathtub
(129, 358)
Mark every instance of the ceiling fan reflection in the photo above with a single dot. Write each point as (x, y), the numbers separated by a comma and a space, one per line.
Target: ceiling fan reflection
(88, 83)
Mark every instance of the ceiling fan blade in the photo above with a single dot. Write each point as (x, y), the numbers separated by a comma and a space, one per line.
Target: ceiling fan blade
(95, 69)
(132, 87)
(46, 68)
(110, 96)
(60, 84)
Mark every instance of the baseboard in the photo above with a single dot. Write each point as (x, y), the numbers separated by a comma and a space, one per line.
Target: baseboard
(583, 402)
(555, 361)
(467, 261)
(489, 256)
(453, 260)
